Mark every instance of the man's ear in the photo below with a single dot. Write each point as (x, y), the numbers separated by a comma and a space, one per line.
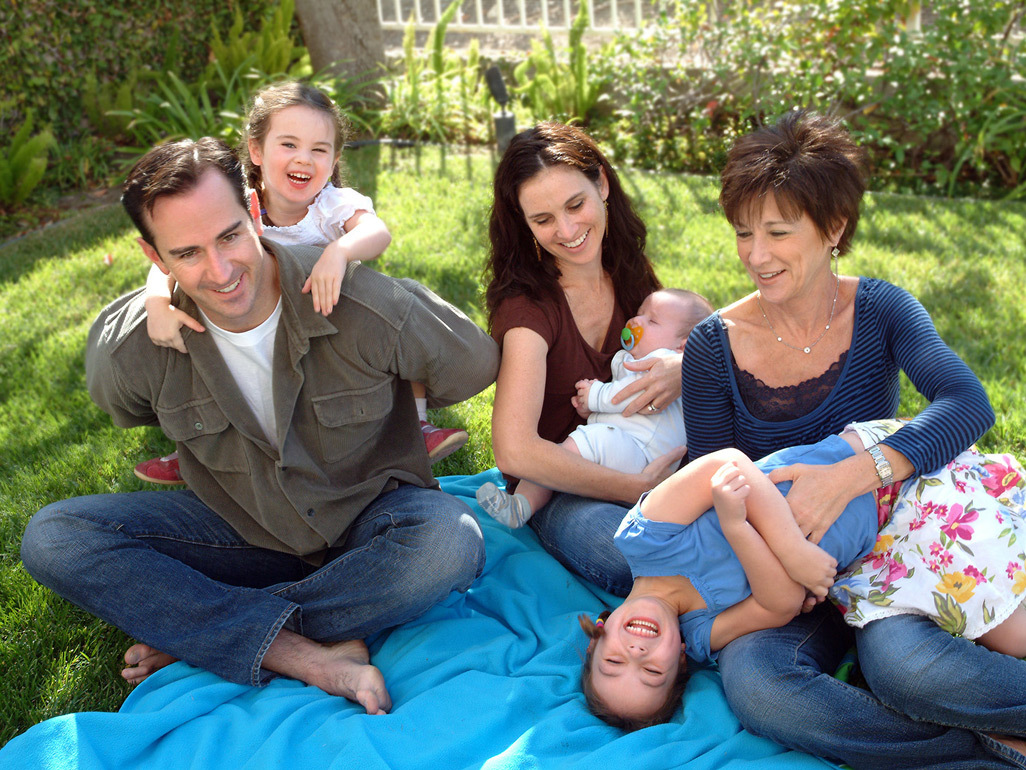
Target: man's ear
(153, 256)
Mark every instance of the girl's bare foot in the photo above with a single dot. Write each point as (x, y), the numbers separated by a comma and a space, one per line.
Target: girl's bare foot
(142, 661)
(809, 565)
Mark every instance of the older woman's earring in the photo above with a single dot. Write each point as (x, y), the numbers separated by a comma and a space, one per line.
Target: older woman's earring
(537, 249)
(835, 252)
(606, 233)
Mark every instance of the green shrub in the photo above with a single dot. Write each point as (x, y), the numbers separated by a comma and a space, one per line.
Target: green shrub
(177, 110)
(269, 50)
(108, 105)
(23, 162)
(557, 90)
(438, 96)
(940, 111)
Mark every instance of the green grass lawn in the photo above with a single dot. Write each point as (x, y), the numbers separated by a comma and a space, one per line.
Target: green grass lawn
(965, 260)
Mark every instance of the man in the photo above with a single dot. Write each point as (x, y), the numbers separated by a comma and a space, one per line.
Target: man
(313, 519)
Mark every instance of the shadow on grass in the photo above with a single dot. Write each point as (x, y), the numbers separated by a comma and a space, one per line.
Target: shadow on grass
(83, 231)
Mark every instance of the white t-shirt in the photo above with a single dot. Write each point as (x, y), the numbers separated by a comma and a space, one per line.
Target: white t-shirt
(249, 357)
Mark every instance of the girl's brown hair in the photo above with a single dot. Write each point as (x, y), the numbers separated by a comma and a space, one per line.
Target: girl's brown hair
(603, 710)
(271, 100)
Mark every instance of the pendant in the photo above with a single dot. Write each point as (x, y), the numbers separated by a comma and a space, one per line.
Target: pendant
(806, 350)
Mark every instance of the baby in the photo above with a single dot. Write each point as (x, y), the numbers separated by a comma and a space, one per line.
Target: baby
(627, 444)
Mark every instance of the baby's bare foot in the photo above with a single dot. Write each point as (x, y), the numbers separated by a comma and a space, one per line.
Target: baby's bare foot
(142, 661)
(809, 565)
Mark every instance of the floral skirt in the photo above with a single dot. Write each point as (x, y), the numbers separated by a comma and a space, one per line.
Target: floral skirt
(953, 547)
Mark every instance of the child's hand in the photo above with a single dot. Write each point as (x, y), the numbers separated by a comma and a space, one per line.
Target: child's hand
(580, 401)
(164, 322)
(730, 489)
(325, 281)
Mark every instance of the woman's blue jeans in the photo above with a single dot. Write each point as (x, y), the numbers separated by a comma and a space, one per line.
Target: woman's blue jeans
(579, 531)
(942, 694)
(168, 571)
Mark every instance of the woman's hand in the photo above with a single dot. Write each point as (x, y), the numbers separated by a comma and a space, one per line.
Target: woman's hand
(659, 387)
(660, 469)
(818, 495)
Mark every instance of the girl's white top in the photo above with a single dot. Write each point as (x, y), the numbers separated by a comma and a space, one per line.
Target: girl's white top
(324, 219)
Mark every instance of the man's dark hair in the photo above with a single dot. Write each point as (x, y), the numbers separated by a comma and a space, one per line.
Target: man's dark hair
(174, 168)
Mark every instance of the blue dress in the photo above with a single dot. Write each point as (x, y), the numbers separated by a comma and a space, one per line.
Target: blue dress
(700, 551)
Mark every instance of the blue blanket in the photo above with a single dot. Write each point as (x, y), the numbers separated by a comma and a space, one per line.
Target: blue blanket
(488, 679)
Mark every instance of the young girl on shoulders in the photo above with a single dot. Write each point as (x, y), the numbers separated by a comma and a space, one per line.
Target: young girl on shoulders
(291, 149)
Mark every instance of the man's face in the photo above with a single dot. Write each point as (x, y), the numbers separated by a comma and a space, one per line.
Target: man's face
(207, 242)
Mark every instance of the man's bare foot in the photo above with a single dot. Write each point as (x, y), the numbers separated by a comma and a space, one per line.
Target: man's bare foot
(341, 668)
(349, 673)
(142, 661)
(809, 565)
(1013, 743)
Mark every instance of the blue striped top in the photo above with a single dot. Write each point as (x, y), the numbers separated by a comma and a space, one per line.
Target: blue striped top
(892, 333)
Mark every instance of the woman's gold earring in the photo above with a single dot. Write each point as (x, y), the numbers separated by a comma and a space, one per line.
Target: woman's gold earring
(537, 249)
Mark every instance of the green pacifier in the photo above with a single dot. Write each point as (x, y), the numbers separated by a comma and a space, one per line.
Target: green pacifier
(630, 336)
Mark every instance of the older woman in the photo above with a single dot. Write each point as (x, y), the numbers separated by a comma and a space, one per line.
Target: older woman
(568, 268)
(807, 352)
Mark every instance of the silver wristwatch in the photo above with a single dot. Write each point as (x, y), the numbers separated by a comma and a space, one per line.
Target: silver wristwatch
(883, 468)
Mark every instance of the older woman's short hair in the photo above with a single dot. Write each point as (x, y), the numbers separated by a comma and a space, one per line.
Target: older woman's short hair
(808, 162)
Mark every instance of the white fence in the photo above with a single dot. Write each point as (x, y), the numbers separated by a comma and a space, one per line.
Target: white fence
(515, 16)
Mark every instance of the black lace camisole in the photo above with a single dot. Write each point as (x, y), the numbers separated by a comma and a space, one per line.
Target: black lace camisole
(790, 401)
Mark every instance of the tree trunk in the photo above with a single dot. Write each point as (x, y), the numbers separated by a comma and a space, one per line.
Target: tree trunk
(343, 36)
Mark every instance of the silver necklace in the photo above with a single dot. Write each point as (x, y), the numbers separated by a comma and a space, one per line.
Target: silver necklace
(808, 348)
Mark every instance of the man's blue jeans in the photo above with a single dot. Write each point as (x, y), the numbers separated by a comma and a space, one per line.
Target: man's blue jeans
(168, 571)
(778, 683)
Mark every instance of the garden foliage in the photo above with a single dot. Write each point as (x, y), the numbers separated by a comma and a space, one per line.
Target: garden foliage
(941, 110)
(49, 47)
(555, 89)
(435, 93)
(23, 162)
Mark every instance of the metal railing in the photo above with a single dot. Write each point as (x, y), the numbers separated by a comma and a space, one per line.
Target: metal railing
(515, 16)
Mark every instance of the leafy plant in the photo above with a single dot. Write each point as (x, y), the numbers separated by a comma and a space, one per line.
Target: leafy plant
(270, 50)
(554, 89)
(101, 100)
(177, 110)
(23, 162)
(999, 146)
(438, 95)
